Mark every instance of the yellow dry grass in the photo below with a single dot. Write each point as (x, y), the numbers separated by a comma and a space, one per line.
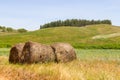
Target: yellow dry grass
(106, 36)
(75, 70)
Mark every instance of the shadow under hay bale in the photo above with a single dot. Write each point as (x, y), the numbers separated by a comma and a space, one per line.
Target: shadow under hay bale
(35, 52)
(64, 52)
(15, 53)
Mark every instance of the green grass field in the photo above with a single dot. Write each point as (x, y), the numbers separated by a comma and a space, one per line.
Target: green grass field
(98, 54)
(4, 51)
(91, 64)
(79, 37)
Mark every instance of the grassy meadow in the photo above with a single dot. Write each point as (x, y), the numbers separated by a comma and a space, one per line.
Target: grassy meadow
(86, 37)
(91, 64)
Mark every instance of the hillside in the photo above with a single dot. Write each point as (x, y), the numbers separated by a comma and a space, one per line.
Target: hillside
(79, 37)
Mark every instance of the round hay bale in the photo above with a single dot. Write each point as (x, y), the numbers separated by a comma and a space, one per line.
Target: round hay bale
(15, 53)
(35, 52)
(64, 52)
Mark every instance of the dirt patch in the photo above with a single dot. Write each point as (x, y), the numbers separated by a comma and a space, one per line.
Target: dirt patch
(106, 36)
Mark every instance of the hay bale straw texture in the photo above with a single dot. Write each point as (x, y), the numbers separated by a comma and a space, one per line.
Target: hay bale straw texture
(64, 52)
(35, 52)
(15, 53)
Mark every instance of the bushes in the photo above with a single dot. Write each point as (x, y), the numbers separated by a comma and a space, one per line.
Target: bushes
(22, 30)
(97, 46)
(9, 29)
(6, 29)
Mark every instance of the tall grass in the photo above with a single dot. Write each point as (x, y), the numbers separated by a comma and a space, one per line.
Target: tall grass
(90, 65)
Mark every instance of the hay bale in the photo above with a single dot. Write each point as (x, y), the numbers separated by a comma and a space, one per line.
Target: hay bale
(64, 52)
(15, 53)
(35, 52)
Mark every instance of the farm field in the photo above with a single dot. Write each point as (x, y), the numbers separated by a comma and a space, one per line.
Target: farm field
(91, 64)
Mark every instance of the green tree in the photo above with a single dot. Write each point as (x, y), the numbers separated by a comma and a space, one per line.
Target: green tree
(22, 30)
(3, 29)
(74, 22)
(8, 29)
(0, 27)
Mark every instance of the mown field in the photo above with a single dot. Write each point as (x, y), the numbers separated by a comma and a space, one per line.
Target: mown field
(91, 64)
(100, 36)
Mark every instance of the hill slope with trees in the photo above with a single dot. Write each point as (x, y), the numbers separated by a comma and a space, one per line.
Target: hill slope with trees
(79, 37)
(74, 23)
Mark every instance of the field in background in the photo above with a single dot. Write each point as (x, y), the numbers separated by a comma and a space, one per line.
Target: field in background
(4, 51)
(92, 64)
(100, 36)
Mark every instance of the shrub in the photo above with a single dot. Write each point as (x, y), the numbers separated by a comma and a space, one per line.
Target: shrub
(9, 29)
(22, 30)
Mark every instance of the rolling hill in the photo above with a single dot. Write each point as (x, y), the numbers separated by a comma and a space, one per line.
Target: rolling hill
(91, 36)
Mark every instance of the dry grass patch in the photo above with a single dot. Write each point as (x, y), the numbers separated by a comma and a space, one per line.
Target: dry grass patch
(106, 36)
(75, 70)
(85, 67)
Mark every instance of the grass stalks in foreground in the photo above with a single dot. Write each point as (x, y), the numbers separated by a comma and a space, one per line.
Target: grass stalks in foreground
(75, 70)
(90, 65)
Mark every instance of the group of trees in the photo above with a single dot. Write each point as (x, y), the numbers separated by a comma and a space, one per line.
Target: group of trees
(22, 30)
(9, 29)
(74, 22)
(6, 29)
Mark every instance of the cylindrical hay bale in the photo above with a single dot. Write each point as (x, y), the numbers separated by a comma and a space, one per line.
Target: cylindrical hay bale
(64, 52)
(35, 52)
(15, 53)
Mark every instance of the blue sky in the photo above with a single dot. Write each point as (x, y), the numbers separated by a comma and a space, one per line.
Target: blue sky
(30, 14)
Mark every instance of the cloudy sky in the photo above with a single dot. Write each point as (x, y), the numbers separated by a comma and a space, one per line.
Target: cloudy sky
(30, 14)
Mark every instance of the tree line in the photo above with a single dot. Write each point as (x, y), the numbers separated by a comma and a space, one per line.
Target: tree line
(9, 29)
(74, 22)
